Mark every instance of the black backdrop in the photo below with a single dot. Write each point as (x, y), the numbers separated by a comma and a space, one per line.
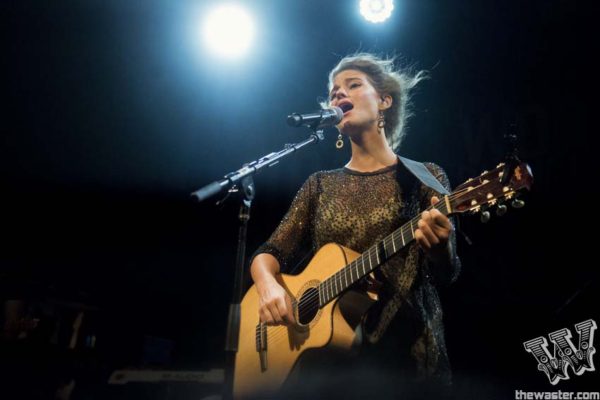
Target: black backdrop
(113, 114)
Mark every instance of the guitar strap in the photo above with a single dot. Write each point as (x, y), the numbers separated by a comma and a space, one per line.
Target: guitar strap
(420, 171)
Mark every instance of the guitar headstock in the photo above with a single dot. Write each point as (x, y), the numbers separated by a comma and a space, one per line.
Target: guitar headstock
(492, 188)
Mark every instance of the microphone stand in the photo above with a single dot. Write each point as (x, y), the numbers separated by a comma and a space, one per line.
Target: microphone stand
(244, 176)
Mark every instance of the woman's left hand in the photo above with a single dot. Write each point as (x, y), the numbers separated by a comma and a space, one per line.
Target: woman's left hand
(433, 232)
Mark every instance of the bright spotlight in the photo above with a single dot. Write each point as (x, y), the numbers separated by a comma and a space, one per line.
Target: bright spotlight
(228, 31)
(376, 10)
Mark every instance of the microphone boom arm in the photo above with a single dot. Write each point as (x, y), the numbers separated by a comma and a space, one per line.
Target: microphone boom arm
(251, 168)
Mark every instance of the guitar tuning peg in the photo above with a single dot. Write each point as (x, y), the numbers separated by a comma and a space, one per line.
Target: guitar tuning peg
(485, 216)
(501, 210)
(517, 203)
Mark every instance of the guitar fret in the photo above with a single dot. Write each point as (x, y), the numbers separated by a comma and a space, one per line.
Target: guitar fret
(335, 283)
(447, 207)
(348, 271)
(331, 283)
(377, 254)
(402, 236)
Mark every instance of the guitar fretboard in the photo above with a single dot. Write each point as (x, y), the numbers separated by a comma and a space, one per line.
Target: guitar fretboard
(371, 259)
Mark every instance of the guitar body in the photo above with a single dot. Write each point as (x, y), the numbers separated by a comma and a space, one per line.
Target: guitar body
(333, 326)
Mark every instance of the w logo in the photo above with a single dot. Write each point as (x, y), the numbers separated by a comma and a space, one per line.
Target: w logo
(565, 353)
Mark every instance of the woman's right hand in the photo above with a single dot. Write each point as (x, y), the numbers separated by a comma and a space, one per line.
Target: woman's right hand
(275, 305)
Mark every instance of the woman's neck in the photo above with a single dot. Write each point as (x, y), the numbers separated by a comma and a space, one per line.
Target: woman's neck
(371, 152)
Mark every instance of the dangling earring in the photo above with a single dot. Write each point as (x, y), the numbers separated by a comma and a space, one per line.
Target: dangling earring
(340, 142)
(380, 121)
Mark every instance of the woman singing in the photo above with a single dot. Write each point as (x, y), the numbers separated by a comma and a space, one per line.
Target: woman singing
(357, 206)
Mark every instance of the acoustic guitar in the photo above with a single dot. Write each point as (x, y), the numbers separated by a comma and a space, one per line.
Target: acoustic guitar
(327, 305)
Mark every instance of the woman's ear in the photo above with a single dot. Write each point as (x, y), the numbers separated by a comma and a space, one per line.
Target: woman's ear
(385, 102)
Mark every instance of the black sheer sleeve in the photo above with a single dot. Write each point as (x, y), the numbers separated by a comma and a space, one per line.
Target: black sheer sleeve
(292, 239)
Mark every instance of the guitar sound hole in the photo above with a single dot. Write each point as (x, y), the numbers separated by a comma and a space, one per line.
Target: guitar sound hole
(308, 306)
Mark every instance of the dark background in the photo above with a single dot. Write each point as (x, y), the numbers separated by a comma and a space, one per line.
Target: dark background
(113, 112)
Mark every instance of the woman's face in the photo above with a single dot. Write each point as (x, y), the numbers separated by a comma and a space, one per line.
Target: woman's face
(358, 99)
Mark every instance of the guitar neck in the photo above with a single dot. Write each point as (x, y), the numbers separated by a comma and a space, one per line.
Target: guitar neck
(374, 257)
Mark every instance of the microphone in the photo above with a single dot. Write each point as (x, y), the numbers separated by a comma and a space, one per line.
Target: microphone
(322, 118)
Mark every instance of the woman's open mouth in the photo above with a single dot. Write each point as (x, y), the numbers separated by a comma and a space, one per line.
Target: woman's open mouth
(346, 107)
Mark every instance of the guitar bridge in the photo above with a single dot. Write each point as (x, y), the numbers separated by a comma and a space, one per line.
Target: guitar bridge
(261, 344)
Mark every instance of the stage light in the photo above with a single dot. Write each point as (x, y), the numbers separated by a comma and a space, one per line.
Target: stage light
(376, 10)
(228, 31)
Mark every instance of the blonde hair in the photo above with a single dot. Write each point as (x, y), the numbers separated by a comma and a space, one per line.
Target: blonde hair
(387, 80)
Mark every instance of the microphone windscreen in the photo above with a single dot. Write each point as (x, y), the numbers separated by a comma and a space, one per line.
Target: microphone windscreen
(339, 114)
